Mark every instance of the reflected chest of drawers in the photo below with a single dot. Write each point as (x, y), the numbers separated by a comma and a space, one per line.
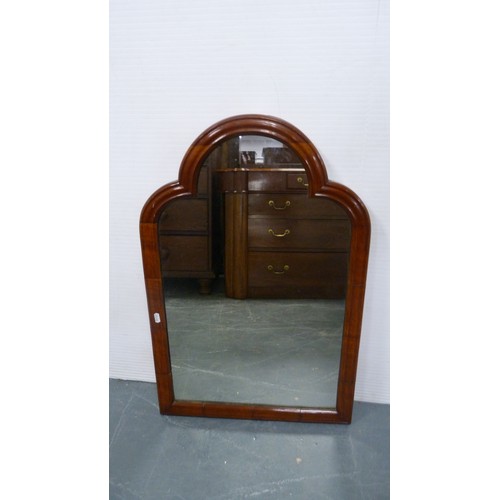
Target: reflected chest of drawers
(279, 242)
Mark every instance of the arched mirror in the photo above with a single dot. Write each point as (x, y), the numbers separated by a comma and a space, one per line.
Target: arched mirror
(255, 267)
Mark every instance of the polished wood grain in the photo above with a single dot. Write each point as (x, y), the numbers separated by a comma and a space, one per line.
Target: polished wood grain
(319, 186)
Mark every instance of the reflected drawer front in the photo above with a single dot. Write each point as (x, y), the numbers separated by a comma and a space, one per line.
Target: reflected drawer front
(266, 181)
(185, 215)
(294, 273)
(287, 269)
(184, 253)
(306, 234)
(297, 181)
(293, 205)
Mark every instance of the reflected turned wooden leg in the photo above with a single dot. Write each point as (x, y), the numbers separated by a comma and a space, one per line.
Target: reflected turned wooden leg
(205, 286)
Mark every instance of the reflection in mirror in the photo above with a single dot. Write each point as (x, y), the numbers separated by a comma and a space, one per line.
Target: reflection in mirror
(255, 277)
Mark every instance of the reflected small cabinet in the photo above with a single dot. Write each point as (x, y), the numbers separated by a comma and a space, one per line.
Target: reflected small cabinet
(280, 243)
(189, 232)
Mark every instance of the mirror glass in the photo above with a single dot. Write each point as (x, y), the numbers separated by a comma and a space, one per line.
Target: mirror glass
(255, 276)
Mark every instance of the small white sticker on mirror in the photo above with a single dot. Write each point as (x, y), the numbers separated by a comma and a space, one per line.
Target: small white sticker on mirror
(157, 317)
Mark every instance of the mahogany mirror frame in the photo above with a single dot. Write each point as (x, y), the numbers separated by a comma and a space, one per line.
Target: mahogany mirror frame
(319, 186)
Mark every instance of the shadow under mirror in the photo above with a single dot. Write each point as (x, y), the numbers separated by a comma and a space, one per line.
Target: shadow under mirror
(255, 277)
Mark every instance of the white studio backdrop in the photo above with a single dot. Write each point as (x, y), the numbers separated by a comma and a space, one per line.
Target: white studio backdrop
(178, 67)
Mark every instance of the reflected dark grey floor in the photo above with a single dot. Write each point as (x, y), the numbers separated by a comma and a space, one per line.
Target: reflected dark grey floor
(281, 352)
(155, 457)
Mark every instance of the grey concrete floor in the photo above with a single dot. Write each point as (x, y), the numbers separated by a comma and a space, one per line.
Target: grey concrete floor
(153, 456)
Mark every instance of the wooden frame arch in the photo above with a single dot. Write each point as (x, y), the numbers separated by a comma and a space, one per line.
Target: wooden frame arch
(319, 185)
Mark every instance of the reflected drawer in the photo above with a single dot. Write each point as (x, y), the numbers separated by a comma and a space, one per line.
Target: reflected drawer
(293, 205)
(307, 275)
(184, 253)
(266, 180)
(297, 181)
(185, 214)
(202, 185)
(306, 234)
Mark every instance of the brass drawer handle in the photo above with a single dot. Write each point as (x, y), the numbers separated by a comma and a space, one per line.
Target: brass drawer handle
(271, 269)
(271, 204)
(270, 231)
(300, 180)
